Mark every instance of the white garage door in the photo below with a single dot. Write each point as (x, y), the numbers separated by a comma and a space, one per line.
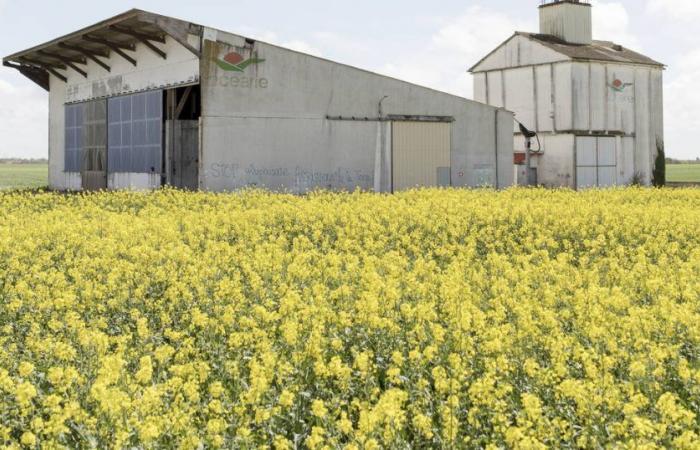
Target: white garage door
(421, 154)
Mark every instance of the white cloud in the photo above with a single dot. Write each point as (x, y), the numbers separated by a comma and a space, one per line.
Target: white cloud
(682, 107)
(611, 22)
(302, 46)
(684, 10)
(23, 118)
(456, 46)
(273, 38)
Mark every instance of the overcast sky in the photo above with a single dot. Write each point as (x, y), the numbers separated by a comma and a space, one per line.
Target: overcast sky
(430, 43)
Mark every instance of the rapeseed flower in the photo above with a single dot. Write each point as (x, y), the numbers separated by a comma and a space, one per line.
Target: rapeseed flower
(428, 319)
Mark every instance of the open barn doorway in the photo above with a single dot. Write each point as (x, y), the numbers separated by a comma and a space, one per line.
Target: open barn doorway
(183, 110)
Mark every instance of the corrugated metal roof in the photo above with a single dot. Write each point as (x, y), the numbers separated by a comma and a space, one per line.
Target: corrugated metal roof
(597, 51)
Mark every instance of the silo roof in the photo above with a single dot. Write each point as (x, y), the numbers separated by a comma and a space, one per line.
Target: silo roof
(597, 51)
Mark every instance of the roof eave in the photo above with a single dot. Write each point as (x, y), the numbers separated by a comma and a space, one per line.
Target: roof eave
(64, 49)
(87, 30)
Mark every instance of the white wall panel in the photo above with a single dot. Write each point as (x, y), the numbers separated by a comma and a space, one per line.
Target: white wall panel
(621, 98)
(625, 160)
(598, 97)
(581, 96)
(519, 85)
(480, 94)
(545, 103)
(645, 139)
(586, 177)
(495, 88)
(562, 97)
(606, 177)
(586, 149)
(607, 151)
(519, 51)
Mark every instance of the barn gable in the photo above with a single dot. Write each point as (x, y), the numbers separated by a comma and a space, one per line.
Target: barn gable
(518, 51)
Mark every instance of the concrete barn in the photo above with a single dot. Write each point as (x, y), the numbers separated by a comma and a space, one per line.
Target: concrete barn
(597, 106)
(142, 100)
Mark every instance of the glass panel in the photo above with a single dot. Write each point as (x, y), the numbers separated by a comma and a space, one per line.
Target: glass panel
(73, 137)
(139, 146)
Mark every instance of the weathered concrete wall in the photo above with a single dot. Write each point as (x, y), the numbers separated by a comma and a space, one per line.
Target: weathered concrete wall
(267, 125)
(152, 72)
(518, 51)
(583, 98)
(572, 22)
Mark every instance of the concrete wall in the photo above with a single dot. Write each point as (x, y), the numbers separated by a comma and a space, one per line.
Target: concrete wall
(571, 22)
(518, 51)
(579, 98)
(152, 72)
(267, 126)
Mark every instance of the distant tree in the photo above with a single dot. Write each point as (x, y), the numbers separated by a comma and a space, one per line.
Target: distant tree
(659, 179)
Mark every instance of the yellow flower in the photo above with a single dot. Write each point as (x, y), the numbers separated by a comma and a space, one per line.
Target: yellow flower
(145, 373)
(429, 318)
(216, 389)
(318, 408)
(25, 393)
(25, 369)
(286, 399)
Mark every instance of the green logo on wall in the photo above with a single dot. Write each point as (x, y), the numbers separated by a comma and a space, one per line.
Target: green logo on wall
(234, 62)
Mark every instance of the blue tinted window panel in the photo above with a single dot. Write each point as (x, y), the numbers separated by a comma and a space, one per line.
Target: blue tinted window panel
(138, 125)
(73, 137)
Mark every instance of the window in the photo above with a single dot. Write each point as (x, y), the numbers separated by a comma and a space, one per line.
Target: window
(73, 137)
(135, 133)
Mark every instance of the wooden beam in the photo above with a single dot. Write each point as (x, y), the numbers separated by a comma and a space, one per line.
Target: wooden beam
(116, 48)
(155, 49)
(43, 65)
(176, 29)
(183, 100)
(108, 43)
(48, 68)
(62, 58)
(138, 35)
(144, 39)
(39, 76)
(66, 61)
(92, 55)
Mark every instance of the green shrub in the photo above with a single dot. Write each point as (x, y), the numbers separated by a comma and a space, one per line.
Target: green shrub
(659, 178)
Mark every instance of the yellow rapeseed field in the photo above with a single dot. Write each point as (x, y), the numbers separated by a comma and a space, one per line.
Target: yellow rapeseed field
(429, 319)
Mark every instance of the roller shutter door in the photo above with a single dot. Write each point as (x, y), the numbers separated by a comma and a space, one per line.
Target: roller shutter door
(420, 154)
